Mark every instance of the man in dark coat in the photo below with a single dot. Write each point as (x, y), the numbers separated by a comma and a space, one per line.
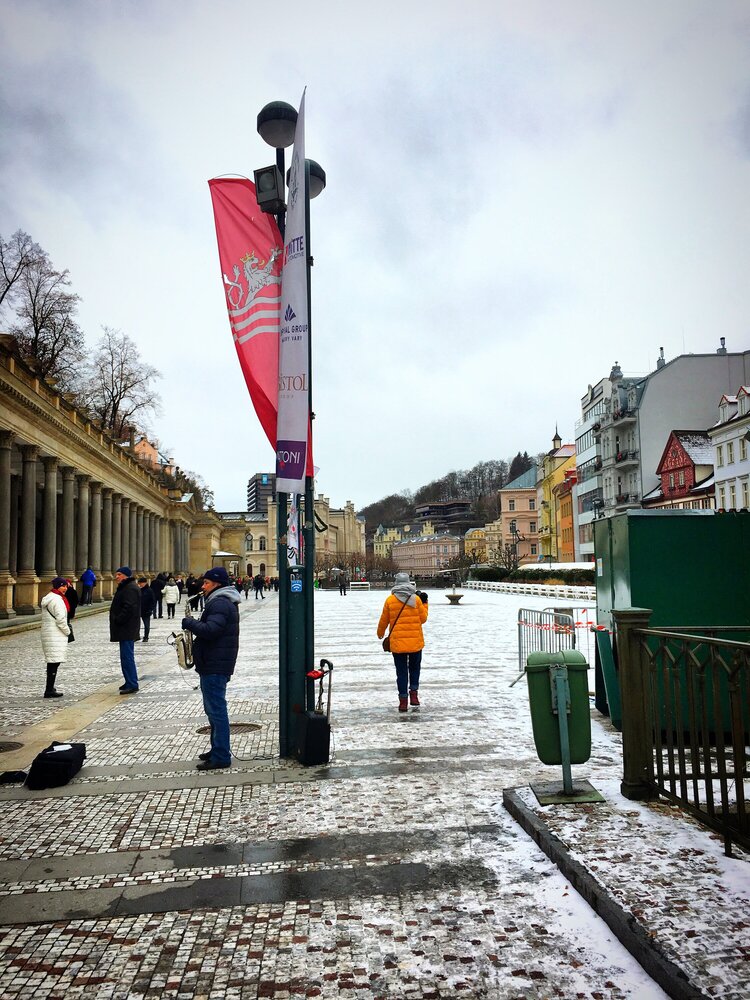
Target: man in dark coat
(148, 603)
(125, 625)
(157, 585)
(215, 646)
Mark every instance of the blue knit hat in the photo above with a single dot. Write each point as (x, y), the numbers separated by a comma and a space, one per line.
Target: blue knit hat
(217, 575)
(125, 570)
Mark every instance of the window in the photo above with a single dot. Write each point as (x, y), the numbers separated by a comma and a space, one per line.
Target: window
(262, 545)
(671, 480)
(719, 454)
(743, 449)
(746, 496)
(511, 505)
(532, 504)
(730, 452)
(732, 497)
(533, 550)
(721, 498)
(681, 478)
(532, 527)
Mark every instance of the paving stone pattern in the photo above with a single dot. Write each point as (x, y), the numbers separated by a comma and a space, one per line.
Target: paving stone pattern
(392, 872)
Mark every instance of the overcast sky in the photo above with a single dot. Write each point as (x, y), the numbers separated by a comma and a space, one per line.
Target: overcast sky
(519, 194)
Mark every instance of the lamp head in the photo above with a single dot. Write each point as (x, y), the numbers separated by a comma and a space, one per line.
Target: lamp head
(317, 177)
(276, 124)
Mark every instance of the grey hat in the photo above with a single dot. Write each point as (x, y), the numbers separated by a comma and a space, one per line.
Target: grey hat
(401, 578)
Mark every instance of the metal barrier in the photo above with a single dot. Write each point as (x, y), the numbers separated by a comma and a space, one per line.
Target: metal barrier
(686, 721)
(553, 629)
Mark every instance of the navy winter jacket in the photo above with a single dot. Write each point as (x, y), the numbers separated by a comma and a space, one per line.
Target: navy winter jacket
(125, 613)
(148, 601)
(217, 634)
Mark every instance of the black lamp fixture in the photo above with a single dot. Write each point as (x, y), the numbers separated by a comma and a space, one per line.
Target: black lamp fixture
(269, 189)
(317, 177)
(276, 124)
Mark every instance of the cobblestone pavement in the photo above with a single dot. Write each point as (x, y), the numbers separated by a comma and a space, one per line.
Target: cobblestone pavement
(393, 872)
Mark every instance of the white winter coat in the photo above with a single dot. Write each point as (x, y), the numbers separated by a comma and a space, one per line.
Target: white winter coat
(171, 593)
(55, 628)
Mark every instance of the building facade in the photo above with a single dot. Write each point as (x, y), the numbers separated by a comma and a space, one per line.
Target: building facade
(426, 555)
(686, 473)
(561, 458)
(261, 492)
(565, 517)
(588, 491)
(518, 523)
(730, 438)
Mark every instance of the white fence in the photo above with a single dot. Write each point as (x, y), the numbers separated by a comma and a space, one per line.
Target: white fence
(359, 585)
(536, 589)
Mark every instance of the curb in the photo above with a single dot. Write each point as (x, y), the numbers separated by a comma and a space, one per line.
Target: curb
(623, 924)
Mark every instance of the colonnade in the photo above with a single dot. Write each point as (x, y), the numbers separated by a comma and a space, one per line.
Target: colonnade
(58, 520)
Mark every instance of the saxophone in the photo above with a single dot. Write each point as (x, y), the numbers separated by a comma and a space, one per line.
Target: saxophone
(183, 642)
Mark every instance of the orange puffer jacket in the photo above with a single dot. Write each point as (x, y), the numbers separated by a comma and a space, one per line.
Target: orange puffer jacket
(407, 636)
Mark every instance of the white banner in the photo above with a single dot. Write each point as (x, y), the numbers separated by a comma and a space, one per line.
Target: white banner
(294, 374)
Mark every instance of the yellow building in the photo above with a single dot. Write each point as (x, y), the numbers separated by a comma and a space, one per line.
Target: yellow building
(385, 538)
(561, 458)
(475, 545)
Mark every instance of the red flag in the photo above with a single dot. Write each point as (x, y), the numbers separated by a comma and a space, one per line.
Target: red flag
(250, 252)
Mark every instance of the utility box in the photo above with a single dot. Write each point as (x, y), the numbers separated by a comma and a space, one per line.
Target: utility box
(545, 721)
(691, 567)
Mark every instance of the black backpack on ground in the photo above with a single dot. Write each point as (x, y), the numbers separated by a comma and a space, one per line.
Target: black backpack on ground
(54, 767)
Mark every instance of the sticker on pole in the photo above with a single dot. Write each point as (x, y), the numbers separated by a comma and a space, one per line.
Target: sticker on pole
(296, 586)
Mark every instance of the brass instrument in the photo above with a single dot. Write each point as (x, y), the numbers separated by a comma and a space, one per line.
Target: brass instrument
(183, 643)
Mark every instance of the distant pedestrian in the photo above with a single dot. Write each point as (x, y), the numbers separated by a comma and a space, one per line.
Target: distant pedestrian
(125, 625)
(148, 603)
(180, 586)
(71, 597)
(215, 648)
(171, 596)
(157, 585)
(343, 584)
(88, 582)
(258, 584)
(54, 632)
(404, 613)
(247, 585)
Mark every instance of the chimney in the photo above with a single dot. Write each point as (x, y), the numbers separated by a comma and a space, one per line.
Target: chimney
(722, 349)
(660, 362)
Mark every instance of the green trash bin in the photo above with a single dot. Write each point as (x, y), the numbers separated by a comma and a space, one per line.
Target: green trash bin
(544, 721)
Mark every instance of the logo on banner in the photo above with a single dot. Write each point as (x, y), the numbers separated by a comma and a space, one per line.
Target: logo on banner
(290, 314)
(290, 456)
(294, 181)
(258, 274)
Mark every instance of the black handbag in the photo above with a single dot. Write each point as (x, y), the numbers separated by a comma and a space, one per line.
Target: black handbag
(54, 767)
(71, 637)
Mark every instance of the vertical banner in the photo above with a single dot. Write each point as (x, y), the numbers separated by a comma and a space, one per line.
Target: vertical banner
(250, 249)
(294, 374)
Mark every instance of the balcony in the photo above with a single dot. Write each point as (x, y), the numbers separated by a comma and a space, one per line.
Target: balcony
(627, 500)
(624, 416)
(623, 458)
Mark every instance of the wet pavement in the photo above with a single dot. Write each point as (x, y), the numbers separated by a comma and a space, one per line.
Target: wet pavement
(394, 871)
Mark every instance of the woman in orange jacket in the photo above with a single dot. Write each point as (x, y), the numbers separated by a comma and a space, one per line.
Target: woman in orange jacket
(404, 613)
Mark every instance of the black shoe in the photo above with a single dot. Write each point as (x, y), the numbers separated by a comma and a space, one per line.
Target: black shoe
(210, 765)
(128, 690)
(205, 756)
(144, 639)
(53, 694)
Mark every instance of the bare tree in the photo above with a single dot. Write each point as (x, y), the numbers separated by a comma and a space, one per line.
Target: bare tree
(48, 335)
(17, 254)
(120, 388)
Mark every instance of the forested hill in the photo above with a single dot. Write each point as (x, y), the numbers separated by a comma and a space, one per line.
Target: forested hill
(479, 485)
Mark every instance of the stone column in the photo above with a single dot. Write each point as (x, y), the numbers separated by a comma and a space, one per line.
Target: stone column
(125, 535)
(133, 536)
(67, 568)
(141, 547)
(95, 538)
(116, 560)
(6, 579)
(49, 520)
(82, 526)
(106, 543)
(152, 529)
(157, 552)
(27, 582)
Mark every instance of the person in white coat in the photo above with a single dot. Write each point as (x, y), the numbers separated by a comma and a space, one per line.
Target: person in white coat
(54, 633)
(171, 596)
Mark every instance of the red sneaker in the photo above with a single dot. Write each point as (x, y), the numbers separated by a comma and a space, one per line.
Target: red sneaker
(413, 698)
(402, 705)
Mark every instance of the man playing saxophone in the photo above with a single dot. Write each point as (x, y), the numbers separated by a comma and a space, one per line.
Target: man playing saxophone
(216, 639)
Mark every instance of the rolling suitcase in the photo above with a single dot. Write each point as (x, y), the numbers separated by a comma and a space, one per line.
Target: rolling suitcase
(314, 728)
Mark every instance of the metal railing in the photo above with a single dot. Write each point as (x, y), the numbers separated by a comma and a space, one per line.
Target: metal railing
(553, 629)
(686, 720)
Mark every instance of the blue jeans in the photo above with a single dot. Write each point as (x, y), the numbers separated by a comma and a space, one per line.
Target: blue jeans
(127, 663)
(214, 691)
(408, 666)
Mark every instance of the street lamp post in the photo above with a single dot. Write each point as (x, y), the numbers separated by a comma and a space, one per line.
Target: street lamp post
(276, 126)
